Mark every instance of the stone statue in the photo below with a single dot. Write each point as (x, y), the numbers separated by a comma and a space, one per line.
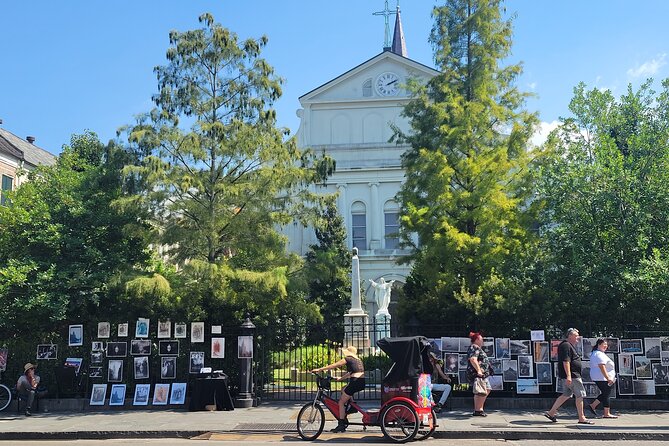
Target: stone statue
(382, 291)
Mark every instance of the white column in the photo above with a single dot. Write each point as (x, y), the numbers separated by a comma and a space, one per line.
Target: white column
(343, 211)
(373, 213)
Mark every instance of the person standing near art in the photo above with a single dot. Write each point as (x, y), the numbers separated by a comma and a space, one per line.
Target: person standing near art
(437, 375)
(569, 372)
(603, 373)
(477, 373)
(27, 385)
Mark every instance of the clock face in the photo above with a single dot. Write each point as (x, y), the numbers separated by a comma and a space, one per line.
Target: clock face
(387, 84)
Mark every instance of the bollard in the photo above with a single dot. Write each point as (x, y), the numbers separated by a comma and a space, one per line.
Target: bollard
(245, 343)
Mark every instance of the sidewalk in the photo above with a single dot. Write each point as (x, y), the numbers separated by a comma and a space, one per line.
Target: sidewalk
(279, 420)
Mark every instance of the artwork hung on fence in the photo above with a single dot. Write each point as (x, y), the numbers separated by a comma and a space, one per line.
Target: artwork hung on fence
(196, 362)
(631, 346)
(503, 348)
(178, 394)
(559, 386)
(585, 372)
(123, 330)
(625, 385)
(626, 364)
(591, 390)
(166, 348)
(435, 346)
(554, 349)
(142, 328)
(664, 343)
(97, 346)
(588, 344)
(451, 345)
(160, 394)
(496, 382)
(115, 371)
(97, 357)
(3, 359)
(75, 363)
(664, 357)
(520, 347)
(464, 345)
(217, 348)
(141, 395)
(527, 387)
(462, 377)
(117, 349)
(245, 346)
(216, 329)
(489, 347)
(76, 336)
(544, 373)
(660, 375)
(98, 395)
(104, 329)
(95, 372)
(579, 348)
(495, 366)
(164, 329)
(525, 366)
(47, 351)
(510, 370)
(462, 361)
(643, 369)
(140, 347)
(179, 330)
(644, 387)
(652, 348)
(613, 345)
(451, 363)
(141, 367)
(537, 335)
(117, 397)
(196, 332)
(168, 367)
(541, 352)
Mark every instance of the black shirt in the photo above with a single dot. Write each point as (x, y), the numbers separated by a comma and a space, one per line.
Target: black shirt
(567, 352)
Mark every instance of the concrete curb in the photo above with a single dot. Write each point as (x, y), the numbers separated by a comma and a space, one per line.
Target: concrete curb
(96, 435)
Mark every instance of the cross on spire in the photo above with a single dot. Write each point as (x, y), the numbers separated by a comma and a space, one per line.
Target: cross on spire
(386, 13)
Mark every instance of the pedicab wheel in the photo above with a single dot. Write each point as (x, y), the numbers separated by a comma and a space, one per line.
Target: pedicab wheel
(310, 421)
(424, 430)
(399, 422)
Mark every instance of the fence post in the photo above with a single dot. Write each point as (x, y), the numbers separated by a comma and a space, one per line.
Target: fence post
(245, 343)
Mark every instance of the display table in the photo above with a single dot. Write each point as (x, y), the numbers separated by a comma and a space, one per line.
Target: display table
(206, 391)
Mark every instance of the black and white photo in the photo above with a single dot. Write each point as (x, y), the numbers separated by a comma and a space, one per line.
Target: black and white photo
(585, 372)
(97, 357)
(196, 362)
(141, 395)
(76, 336)
(97, 346)
(103, 330)
(591, 390)
(495, 366)
(462, 361)
(644, 387)
(664, 358)
(450, 345)
(660, 375)
(98, 395)
(123, 330)
(196, 332)
(625, 385)
(510, 370)
(168, 348)
(47, 351)
(117, 349)
(544, 373)
(95, 372)
(588, 344)
(178, 394)
(464, 345)
(451, 363)
(503, 348)
(140, 347)
(489, 347)
(179, 330)
(245, 346)
(626, 364)
(614, 345)
(164, 329)
(168, 367)
(520, 347)
(652, 348)
(141, 367)
(115, 371)
(496, 382)
(525, 366)
(642, 367)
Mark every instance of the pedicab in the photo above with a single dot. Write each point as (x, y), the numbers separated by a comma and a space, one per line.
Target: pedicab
(406, 405)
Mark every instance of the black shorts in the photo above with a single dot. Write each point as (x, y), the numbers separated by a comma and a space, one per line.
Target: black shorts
(354, 385)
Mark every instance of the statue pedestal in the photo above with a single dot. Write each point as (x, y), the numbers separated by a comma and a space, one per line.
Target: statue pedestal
(382, 320)
(356, 331)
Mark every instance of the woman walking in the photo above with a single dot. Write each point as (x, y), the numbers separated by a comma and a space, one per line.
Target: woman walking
(477, 373)
(603, 373)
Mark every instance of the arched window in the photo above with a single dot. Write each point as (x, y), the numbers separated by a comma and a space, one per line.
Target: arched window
(367, 88)
(391, 222)
(359, 225)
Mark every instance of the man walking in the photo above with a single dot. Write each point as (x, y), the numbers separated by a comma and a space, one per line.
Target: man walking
(569, 372)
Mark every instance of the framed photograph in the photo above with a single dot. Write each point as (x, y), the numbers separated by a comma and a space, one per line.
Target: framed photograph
(537, 335)
(496, 366)
(510, 370)
(585, 372)
(614, 345)
(631, 346)
(496, 382)
(660, 375)
(463, 361)
(178, 394)
(489, 347)
(554, 349)
(652, 350)
(47, 351)
(664, 358)
(450, 345)
(3, 359)
(98, 395)
(559, 385)
(160, 394)
(525, 366)
(626, 364)
(75, 363)
(142, 328)
(117, 349)
(196, 332)
(140, 347)
(218, 348)
(123, 330)
(588, 344)
(579, 347)
(216, 329)
(664, 343)
(168, 367)
(115, 371)
(104, 329)
(97, 357)
(527, 387)
(435, 346)
(196, 362)
(462, 377)
(97, 346)
(541, 352)
(503, 348)
(117, 397)
(464, 345)
(168, 348)
(591, 390)
(179, 330)
(76, 338)
(95, 372)
(644, 387)
(643, 369)
(451, 363)
(141, 395)
(244, 346)
(141, 367)
(164, 329)
(520, 347)
(625, 385)
(544, 373)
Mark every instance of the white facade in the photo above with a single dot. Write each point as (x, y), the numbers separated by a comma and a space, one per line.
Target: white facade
(350, 118)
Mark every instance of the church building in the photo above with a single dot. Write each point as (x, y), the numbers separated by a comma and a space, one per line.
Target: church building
(349, 118)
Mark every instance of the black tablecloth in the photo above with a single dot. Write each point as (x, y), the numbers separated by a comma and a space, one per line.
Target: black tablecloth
(209, 391)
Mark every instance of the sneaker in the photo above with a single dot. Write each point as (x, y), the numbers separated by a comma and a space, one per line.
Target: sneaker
(437, 408)
(479, 413)
(341, 427)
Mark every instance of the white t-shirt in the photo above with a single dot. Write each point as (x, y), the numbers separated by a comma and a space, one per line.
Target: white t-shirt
(598, 357)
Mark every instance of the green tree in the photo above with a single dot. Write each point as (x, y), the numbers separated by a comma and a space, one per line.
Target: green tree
(327, 272)
(606, 211)
(219, 176)
(466, 171)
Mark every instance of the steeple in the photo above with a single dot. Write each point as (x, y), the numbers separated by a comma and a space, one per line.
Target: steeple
(399, 46)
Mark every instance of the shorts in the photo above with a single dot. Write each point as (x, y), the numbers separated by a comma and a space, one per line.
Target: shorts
(354, 385)
(577, 389)
(478, 384)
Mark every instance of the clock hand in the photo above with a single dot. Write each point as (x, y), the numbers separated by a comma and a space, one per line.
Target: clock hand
(391, 82)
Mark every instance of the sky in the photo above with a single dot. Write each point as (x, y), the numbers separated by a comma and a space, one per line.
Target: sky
(74, 65)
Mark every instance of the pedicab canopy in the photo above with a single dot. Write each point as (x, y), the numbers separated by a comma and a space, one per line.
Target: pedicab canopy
(409, 355)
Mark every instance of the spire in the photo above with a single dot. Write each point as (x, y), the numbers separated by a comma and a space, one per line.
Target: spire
(399, 46)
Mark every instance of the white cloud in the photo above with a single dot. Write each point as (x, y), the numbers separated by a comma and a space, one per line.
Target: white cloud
(533, 85)
(541, 134)
(648, 68)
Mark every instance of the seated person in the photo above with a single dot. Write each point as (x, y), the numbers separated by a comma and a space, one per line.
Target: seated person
(27, 387)
(437, 375)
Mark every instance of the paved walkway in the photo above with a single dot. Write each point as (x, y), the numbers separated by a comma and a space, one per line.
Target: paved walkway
(279, 420)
